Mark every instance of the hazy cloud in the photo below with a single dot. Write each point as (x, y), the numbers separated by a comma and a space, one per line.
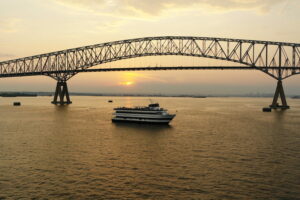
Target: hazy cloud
(157, 7)
(5, 56)
(9, 25)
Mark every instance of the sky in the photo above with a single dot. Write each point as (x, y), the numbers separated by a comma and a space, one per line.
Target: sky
(30, 27)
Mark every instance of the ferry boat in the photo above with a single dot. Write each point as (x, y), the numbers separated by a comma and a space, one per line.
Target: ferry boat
(149, 114)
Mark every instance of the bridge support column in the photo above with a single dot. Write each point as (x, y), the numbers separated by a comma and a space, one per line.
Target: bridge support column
(279, 92)
(61, 92)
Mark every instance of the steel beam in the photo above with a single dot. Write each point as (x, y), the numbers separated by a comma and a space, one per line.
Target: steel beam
(251, 53)
(67, 74)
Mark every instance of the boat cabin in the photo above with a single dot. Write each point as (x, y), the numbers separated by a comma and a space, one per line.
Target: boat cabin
(154, 105)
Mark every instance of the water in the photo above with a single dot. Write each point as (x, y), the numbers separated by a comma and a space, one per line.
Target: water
(215, 148)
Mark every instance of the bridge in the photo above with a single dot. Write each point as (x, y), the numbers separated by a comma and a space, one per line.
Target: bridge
(280, 60)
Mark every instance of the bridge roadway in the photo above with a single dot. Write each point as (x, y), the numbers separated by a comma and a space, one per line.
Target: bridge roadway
(167, 68)
(279, 60)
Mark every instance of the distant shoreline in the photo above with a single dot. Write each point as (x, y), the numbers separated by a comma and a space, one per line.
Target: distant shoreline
(42, 94)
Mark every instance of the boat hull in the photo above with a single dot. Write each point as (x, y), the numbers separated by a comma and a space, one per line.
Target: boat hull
(140, 121)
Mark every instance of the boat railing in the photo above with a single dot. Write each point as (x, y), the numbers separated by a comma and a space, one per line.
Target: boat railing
(140, 108)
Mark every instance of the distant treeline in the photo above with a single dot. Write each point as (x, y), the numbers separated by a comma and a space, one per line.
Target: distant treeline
(18, 94)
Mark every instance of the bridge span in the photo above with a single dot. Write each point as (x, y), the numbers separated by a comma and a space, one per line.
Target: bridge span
(279, 60)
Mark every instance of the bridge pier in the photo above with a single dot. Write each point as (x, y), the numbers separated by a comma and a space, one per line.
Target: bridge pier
(279, 92)
(61, 92)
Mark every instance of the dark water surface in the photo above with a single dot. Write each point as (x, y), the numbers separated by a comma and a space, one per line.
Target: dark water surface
(215, 148)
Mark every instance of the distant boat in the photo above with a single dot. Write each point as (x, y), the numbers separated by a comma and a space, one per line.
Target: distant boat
(149, 114)
(267, 109)
(17, 103)
(110, 101)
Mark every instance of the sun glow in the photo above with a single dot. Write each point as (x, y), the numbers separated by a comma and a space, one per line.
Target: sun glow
(127, 83)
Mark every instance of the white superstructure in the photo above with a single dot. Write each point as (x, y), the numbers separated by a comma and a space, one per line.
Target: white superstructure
(150, 114)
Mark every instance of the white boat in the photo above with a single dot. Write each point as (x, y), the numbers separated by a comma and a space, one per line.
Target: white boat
(149, 114)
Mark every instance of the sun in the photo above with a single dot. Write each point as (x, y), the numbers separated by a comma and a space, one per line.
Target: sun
(127, 83)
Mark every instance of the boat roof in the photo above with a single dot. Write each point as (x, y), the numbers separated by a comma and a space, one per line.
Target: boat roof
(146, 108)
(150, 107)
(139, 108)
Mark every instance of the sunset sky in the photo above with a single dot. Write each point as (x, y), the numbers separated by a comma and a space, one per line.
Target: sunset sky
(29, 27)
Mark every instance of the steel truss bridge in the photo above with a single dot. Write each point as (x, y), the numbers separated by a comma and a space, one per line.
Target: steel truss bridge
(279, 60)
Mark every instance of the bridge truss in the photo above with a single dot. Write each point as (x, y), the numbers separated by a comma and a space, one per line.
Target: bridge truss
(279, 60)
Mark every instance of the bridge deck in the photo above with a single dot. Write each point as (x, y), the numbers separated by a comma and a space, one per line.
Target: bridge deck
(119, 69)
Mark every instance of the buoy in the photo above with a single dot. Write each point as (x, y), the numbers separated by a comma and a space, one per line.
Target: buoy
(17, 103)
(267, 109)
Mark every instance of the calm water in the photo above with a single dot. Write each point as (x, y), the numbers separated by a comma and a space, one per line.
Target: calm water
(215, 148)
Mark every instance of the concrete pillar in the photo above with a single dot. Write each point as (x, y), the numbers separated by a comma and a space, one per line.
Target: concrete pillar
(279, 92)
(61, 95)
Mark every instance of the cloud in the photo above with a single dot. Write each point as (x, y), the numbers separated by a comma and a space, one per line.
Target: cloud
(153, 8)
(5, 56)
(111, 25)
(9, 25)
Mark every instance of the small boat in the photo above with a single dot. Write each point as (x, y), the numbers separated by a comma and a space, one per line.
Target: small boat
(17, 103)
(149, 114)
(267, 109)
(110, 101)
